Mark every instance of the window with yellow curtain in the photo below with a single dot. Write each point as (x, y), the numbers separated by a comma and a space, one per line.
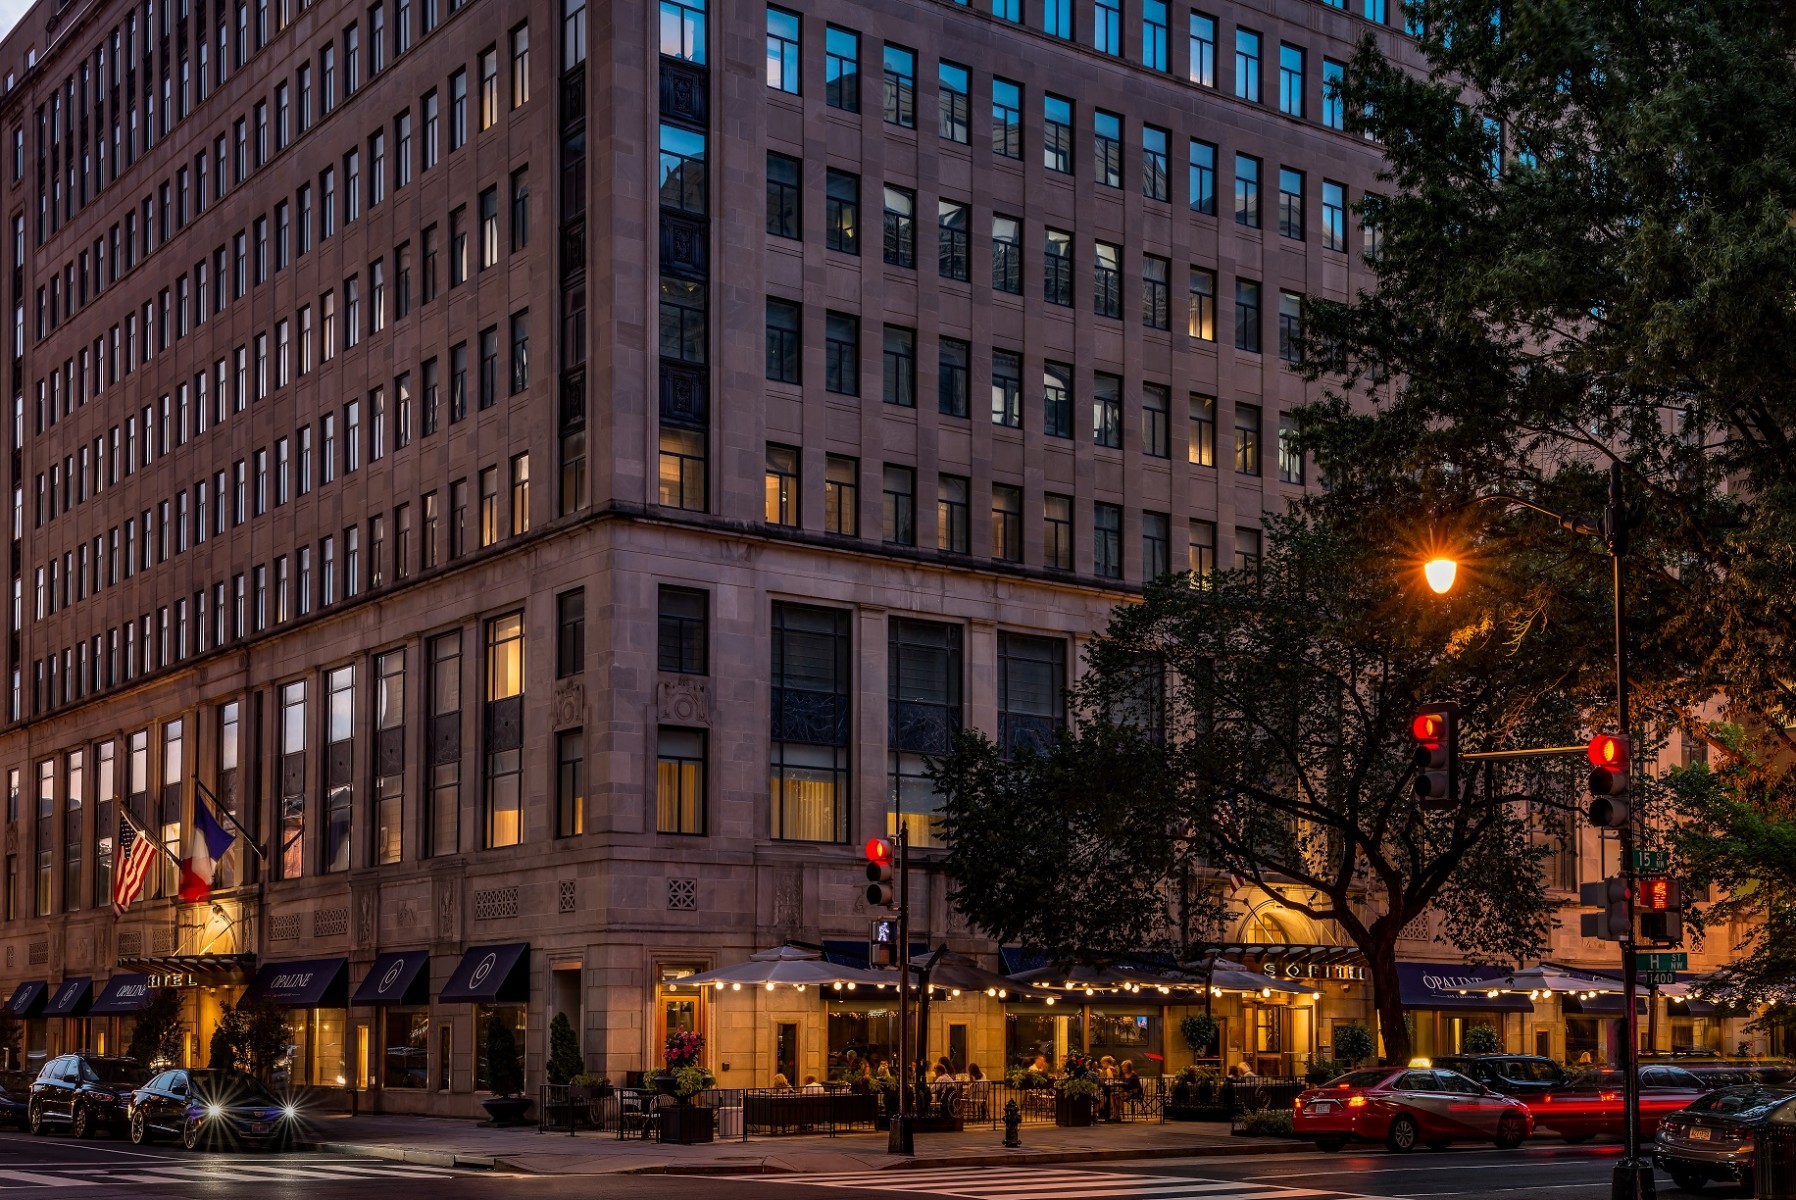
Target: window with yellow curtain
(808, 775)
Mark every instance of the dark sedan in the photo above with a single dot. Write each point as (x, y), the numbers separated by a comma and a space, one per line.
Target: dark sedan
(83, 1093)
(15, 1096)
(211, 1109)
(1712, 1138)
(1520, 1075)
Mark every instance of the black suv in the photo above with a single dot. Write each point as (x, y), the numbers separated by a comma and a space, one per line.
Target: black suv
(83, 1092)
(1523, 1076)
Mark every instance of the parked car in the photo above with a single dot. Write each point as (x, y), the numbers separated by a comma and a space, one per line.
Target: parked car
(211, 1108)
(15, 1096)
(1731, 1072)
(1404, 1106)
(1591, 1104)
(84, 1093)
(1712, 1137)
(1519, 1075)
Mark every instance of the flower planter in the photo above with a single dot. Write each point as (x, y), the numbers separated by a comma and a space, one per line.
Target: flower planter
(505, 1111)
(1072, 1112)
(1197, 1112)
(688, 1125)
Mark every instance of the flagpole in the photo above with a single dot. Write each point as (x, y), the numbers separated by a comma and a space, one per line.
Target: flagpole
(226, 813)
(131, 819)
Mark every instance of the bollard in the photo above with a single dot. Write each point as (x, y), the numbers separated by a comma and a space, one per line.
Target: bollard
(1013, 1123)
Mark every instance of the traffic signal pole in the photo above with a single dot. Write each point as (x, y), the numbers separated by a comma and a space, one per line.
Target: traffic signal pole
(900, 1139)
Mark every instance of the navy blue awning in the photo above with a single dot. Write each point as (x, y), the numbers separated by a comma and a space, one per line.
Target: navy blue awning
(490, 974)
(1437, 985)
(28, 998)
(71, 997)
(122, 995)
(400, 977)
(308, 983)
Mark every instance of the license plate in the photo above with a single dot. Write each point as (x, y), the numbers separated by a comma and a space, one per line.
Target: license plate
(258, 1126)
(1699, 1133)
(1323, 1106)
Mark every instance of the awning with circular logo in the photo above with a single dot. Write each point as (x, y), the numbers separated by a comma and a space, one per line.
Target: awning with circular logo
(308, 983)
(125, 993)
(71, 997)
(400, 977)
(28, 998)
(490, 974)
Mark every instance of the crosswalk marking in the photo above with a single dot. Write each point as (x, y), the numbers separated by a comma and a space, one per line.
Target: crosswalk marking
(30, 1179)
(1047, 1183)
(169, 1172)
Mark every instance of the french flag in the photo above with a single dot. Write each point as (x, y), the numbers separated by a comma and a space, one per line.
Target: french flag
(207, 844)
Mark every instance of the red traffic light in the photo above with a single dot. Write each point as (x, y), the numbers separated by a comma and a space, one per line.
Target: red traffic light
(1608, 751)
(1428, 726)
(879, 851)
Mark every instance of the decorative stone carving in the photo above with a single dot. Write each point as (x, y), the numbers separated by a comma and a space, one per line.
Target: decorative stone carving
(682, 895)
(570, 703)
(684, 700)
(330, 922)
(446, 923)
(788, 899)
(364, 919)
(407, 917)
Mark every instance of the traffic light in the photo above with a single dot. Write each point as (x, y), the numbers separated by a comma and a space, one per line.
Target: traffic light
(882, 942)
(1436, 731)
(881, 891)
(1609, 781)
(1661, 903)
(1610, 895)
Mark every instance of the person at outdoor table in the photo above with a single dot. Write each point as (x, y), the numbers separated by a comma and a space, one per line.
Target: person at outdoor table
(1107, 1068)
(811, 1084)
(781, 1083)
(1040, 1065)
(1240, 1071)
(1127, 1080)
(974, 1073)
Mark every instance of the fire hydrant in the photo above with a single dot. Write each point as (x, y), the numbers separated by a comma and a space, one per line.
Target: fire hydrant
(1013, 1123)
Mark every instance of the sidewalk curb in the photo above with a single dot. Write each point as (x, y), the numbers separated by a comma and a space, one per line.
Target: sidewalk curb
(428, 1158)
(1024, 1157)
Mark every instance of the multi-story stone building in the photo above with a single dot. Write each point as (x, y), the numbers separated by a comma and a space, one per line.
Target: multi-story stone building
(494, 453)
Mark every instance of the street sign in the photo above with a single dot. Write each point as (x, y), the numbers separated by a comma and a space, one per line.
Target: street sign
(1676, 960)
(1650, 978)
(1650, 860)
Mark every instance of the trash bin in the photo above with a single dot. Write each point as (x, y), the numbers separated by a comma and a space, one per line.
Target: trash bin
(1774, 1160)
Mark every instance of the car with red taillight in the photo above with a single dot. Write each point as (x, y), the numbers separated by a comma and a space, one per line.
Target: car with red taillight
(1591, 1106)
(1403, 1107)
(1712, 1138)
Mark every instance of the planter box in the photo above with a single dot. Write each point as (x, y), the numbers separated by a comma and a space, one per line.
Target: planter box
(687, 1124)
(1072, 1112)
(506, 1110)
(935, 1123)
(1197, 1112)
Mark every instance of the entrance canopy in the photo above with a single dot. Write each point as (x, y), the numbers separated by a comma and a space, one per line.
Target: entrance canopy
(71, 998)
(788, 966)
(308, 983)
(28, 998)
(1545, 981)
(400, 977)
(122, 995)
(1458, 986)
(491, 975)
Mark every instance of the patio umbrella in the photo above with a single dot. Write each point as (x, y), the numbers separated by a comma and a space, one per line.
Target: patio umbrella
(786, 966)
(1546, 980)
(1126, 977)
(1233, 977)
(960, 973)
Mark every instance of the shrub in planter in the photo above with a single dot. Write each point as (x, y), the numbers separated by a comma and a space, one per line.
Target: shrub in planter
(1354, 1044)
(1199, 1033)
(1482, 1039)
(1268, 1122)
(564, 1051)
(1321, 1070)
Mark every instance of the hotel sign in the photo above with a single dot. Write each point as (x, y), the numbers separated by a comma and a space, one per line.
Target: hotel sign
(170, 979)
(1303, 970)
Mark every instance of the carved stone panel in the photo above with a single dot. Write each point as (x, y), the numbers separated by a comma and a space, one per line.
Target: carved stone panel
(788, 899)
(448, 926)
(569, 703)
(684, 700)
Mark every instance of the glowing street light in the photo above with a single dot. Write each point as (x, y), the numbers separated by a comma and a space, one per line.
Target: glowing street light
(1440, 573)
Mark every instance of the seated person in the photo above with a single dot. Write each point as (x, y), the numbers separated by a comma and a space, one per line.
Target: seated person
(1127, 1080)
(781, 1083)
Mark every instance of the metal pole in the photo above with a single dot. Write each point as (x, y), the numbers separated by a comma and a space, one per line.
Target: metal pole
(900, 1139)
(1633, 1179)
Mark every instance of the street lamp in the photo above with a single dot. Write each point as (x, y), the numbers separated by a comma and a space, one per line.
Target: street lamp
(1633, 1177)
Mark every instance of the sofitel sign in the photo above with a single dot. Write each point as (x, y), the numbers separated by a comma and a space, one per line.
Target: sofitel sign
(1297, 970)
(173, 979)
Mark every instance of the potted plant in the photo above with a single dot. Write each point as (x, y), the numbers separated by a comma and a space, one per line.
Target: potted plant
(1482, 1039)
(1194, 1096)
(1353, 1045)
(884, 1086)
(504, 1075)
(1077, 1094)
(685, 1123)
(1199, 1033)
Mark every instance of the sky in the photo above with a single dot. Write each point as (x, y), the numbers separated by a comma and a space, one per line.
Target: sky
(10, 12)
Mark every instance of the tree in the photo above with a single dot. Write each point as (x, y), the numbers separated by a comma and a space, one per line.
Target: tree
(565, 1060)
(11, 1035)
(504, 1074)
(249, 1037)
(156, 1038)
(1258, 725)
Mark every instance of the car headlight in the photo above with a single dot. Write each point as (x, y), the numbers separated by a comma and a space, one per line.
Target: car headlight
(290, 1111)
(214, 1110)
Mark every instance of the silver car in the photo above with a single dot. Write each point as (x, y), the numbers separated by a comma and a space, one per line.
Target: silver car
(1712, 1138)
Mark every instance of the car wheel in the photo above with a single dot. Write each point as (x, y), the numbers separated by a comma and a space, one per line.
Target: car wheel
(1511, 1131)
(140, 1129)
(1401, 1138)
(190, 1135)
(83, 1124)
(1330, 1145)
(35, 1120)
(1437, 1144)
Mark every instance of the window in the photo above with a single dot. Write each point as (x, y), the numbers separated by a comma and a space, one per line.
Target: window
(1057, 531)
(1156, 546)
(900, 227)
(951, 514)
(570, 633)
(782, 50)
(520, 66)
(782, 485)
(1290, 458)
(1334, 215)
(683, 184)
(1290, 203)
(680, 780)
(1201, 549)
(1247, 315)
(458, 109)
(1247, 65)
(953, 377)
(1156, 405)
(1373, 11)
(503, 802)
(520, 494)
(1154, 34)
(954, 105)
(1156, 292)
(1031, 692)
(1155, 175)
(1290, 79)
(1202, 42)
(924, 713)
(489, 225)
(953, 254)
(1334, 109)
(443, 718)
(899, 506)
(1057, 267)
(900, 74)
(1371, 232)
(1201, 319)
(1203, 178)
(1007, 118)
(682, 30)
(1290, 327)
(1057, 18)
(783, 196)
(431, 127)
(681, 469)
(1247, 191)
(489, 367)
(1200, 450)
(458, 246)
(842, 354)
(1106, 143)
(1057, 400)
(1247, 550)
(1007, 389)
(1106, 410)
(682, 318)
(682, 631)
(900, 366)
(1247, 439)
(842, 69)
(842, 212)
(1106, 540)
(810, 723)
(1106, 280)
(1007, 522)
(841, 495)
(783, 340)
(520, 209)
(570, 783)
(1057, 133)
(1007, 255)
(1106, 32)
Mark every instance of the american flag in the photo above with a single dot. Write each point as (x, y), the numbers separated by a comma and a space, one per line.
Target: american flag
(136, 851)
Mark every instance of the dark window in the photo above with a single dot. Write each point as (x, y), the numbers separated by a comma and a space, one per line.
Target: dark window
(1247, 191)
(1203, 178)
(842, 212)
(783, 196)
(900, 227)
(1247, 315)
(1057, 531)
(1156, 403)
(1057, 400)
(842, 354)
(1156, 546)
(952, 514)
(1290, 203)
(570, 633)
(953, 252)
(923, 688)
(1106, 541)
(841, 69)
(1156, 292)
(1290, 327)
(953, 385)
(1007, 389)
(1247, 439)
(683, 631)
(900, 366)
(783, 340)
(1031, 691)
(899, 504)
(1007, 522)
(1106, 410)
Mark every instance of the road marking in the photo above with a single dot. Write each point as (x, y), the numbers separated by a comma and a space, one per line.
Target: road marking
(1009, 1183)
(28, 1179)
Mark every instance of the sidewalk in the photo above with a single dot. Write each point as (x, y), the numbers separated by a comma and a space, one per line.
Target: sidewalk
(441, 1142)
